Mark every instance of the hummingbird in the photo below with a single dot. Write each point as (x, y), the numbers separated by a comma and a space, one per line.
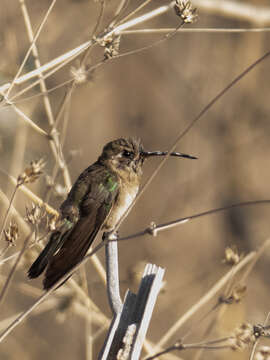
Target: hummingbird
(97, 200)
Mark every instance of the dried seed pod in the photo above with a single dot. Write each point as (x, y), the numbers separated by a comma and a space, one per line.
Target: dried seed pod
(31, 173)
(185, 10)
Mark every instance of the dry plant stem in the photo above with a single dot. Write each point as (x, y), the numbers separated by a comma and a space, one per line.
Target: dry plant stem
(18, 151)
(34, 39)
(210, 345)
(54, 140)
(5, 249)
(11, 274)
(235, 9)
(86, 300)
(147, 47)
(129, 53)
(161, 227)
(72, 54)
(60, 61)
(99, 19)
(112, 272)
(19, 218)
(8, 210)
(135, 11)
(66, 114)
(29, 121)
(45, 295)
(205, 299)
(258, 340)
(251, 357)
(97, 318)
(43, 87)
(31, 195)
(259, 253)
(121, 8)
(45, 76)
(88, 320)
(96, 262)
(194, 30)
(182, 133)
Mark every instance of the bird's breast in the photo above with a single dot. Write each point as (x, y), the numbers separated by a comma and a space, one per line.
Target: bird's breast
(122, 203)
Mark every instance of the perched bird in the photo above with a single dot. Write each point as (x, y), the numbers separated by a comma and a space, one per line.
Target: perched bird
(97, 200)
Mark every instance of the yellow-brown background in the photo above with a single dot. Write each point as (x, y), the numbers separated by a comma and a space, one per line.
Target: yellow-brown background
(152, 95)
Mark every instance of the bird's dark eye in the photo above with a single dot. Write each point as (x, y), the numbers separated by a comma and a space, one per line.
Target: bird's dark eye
(127, 154)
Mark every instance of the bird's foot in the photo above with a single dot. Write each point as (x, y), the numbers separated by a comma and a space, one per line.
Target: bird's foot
(110, 236)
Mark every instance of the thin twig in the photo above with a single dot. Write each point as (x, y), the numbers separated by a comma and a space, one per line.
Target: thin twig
(236, 10)
(204, 299)
(154, 230)
(72, 54)
(112, 271)
(132, 13)
(33, 41)
(8, 210)
(45, 295)
(194, 30)
(54, 139)
(11, 274)
(182, 133)
(29, 121)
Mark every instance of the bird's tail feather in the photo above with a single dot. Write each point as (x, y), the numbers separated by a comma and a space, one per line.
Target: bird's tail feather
(42, 260)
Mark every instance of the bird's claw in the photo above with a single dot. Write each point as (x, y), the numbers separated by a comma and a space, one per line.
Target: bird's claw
(110, 236)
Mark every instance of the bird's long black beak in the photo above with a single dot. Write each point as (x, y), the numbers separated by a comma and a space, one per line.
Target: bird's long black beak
(147, 154)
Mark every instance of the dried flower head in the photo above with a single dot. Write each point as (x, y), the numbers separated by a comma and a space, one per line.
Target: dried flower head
(263, 353)
(243, 336)
(81, 74)
(261, 330)
(34, 214)
(111, 44)
(31, 173)
(231, 256)
(185, 10)
(12, 233)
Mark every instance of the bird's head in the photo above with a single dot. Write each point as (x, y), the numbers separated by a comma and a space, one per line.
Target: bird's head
(129, 155)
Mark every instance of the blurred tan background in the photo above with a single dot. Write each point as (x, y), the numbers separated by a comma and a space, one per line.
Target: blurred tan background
(152, 95)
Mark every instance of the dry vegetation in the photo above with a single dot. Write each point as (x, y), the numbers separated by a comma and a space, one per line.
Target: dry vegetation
(152, 94)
